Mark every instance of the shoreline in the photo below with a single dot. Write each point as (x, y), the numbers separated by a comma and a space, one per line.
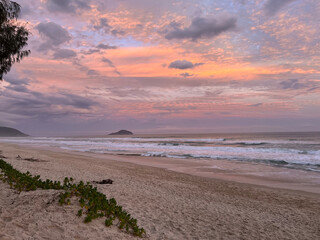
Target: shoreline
(168, 204)
(256, 174)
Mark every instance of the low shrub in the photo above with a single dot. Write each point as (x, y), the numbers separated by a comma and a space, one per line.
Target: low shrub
(93, 204)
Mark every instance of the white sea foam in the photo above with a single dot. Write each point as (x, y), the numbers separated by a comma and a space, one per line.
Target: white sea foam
(265, 151)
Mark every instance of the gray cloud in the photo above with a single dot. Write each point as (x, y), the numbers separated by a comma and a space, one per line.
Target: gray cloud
(183, 64)
(292, 84)
(271, 7)
(22, 107)
(105, 46)
(110, 63)
(303, 86)
(18, 88)
(256, 105)
(92, 72)
(117, 32)
(67, 6)
(103, 25)
(90, 51)
(203, 28)
(185, 75)
(106, 60)
(64, 53)
(18, 99)
(74, 100)
(14, 81)
(98, 48)
(54, 35)
(83, 68)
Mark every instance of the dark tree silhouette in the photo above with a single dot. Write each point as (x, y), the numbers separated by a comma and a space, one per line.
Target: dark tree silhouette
(13, 37)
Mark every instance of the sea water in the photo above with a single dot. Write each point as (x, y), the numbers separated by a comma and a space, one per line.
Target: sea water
(285, 150)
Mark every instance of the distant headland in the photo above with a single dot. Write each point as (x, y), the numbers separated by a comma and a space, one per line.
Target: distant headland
(122, 132)
(11, 132)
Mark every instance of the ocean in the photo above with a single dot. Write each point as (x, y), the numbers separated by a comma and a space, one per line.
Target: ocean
(284, 150)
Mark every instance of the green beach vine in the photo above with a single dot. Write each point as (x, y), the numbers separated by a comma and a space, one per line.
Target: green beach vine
(93, 204)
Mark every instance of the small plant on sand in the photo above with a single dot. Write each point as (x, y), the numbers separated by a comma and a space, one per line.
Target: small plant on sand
(93, 203)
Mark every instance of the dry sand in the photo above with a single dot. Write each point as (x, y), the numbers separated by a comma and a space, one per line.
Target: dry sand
(169, 205)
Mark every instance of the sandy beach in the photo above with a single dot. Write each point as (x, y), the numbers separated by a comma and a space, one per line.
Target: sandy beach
(167, 204)
(161, 120)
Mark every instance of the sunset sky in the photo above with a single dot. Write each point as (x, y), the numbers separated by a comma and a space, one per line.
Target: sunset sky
(168, 66)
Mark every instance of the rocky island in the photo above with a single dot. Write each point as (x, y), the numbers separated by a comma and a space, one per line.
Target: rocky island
(122, 132)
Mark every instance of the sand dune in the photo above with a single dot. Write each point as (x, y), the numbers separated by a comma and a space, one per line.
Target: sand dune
(167, 204)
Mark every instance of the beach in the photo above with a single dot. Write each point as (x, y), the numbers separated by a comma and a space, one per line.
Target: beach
(167, 204)
(161, 120)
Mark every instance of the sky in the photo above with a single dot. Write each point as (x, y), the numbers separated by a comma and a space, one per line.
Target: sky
(169, 66)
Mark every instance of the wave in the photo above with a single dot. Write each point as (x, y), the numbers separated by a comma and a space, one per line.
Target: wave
(159, 154)
(251, 143)
(170, 144)
(197, 148)
(165, 140)
(273, 162)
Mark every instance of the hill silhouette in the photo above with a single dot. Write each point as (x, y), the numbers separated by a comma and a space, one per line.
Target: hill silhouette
(11, 132)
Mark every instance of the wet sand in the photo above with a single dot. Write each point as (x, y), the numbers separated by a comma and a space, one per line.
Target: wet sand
(168, 204)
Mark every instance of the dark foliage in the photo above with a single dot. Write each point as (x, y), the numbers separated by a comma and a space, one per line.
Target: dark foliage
(13, 37)
(104, 181)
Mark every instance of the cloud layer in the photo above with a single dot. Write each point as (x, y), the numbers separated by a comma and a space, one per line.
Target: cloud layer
(183, 64)
(244, 65)
(271, 7)
(203, 28)
(67, 6)
(53, 34)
